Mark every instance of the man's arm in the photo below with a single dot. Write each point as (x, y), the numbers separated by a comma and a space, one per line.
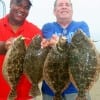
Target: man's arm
(2, 47)
(85, 28)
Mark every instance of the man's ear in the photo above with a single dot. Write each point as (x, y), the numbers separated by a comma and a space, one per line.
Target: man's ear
(54, 11)
(11, 2)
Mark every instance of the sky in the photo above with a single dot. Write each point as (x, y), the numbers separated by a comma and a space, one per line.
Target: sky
(41, 12)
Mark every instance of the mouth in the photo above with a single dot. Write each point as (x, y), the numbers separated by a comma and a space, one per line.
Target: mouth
(64, 12)
(20, 14)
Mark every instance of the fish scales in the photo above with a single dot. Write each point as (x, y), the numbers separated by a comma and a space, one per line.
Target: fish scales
(83, 63)
(56, 72)
(13, 64)
(33, 63)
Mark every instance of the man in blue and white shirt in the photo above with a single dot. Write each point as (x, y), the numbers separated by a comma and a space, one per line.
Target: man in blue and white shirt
(67, 27)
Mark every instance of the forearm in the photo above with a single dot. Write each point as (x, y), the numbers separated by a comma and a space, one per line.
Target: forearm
(2, 47)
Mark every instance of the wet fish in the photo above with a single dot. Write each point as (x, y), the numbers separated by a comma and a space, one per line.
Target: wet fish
(56, 71)
(83, 63)
(13, 64)
(33, 63)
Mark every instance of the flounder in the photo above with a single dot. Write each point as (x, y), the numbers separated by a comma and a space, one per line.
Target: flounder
(56, 71)
(83, 63)
(33, 63)
(13, 64)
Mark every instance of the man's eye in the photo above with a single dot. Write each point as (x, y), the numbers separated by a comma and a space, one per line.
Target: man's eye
(60, 5)
(27, 7)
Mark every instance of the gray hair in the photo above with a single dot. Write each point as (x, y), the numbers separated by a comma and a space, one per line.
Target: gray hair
(56, 3)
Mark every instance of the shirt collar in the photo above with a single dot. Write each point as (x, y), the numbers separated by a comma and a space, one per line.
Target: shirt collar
(61, 26)
(6, 23)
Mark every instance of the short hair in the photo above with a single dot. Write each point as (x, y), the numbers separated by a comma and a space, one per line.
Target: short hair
(18, 1)
(56, 3)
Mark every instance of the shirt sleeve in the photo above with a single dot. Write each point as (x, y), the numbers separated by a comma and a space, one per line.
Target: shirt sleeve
(85, 28)
(47, 30)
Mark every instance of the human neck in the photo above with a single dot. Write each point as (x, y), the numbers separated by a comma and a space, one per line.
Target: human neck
(14, 24)
(64, 23)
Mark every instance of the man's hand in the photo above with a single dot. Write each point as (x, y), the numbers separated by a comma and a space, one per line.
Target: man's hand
(8, 43)
(44, 43)
(49, 42)
(54, 39)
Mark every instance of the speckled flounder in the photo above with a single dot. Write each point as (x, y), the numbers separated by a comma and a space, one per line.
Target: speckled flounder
(33, 63)
(56, 72)
(13, 64)
(83, 63)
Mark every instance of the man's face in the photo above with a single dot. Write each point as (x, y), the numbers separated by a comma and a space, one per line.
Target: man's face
(19, 10)
(63, 9)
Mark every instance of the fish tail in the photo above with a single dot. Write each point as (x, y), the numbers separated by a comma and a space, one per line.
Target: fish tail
(35, 91)
(57, 97)
(81, 98)
(12, 94)
(81, 94)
